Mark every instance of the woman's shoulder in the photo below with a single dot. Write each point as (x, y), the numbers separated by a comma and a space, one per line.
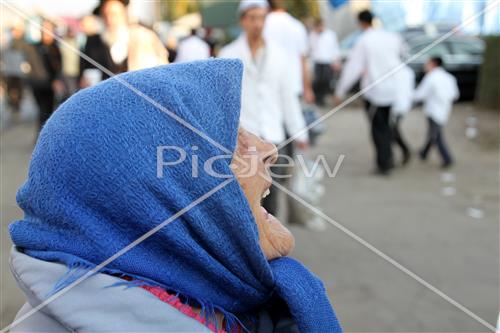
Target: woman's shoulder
(102, 302)
(36, 322)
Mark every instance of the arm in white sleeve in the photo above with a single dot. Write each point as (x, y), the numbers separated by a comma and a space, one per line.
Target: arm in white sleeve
(304, 59)
(303, 39)
(206, 51)
(456, 92)
(180, 53)
(292, 112)
(422, 90)
(352, 70)
(404, 49)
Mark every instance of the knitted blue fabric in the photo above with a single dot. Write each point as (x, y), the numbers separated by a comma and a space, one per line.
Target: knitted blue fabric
(93, 188)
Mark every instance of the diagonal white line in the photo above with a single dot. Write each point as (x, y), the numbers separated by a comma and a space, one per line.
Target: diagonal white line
(385, 257)
(348, 101)
(119, 79)
(117, 254)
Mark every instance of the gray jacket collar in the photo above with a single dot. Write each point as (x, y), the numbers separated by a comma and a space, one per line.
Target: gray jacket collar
(94, 306)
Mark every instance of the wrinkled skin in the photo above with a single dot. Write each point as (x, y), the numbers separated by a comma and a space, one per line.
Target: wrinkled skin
(250, 164)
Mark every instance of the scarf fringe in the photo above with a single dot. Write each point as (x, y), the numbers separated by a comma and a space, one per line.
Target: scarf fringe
(79, 268)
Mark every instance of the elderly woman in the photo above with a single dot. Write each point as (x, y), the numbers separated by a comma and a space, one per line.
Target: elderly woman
(152, 166)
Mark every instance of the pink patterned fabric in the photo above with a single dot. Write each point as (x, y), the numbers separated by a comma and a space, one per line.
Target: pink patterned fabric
(174, 301)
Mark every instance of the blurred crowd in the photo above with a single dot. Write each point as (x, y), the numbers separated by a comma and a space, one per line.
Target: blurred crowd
(53, 67)
(290, 71)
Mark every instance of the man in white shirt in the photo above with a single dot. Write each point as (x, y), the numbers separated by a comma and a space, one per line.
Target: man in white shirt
(438, 90)
(325, 55)
(192, 48)
(291, 35)
(269, 104)
(375, 54)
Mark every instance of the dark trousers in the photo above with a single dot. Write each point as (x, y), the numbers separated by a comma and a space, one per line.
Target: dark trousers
(323, 75)
(435, 137)
(381, 135)
(398, 138)
(14, 92)
(271, 202)
(45, 99)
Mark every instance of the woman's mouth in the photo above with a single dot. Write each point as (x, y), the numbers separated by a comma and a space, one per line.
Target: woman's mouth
(264, 212)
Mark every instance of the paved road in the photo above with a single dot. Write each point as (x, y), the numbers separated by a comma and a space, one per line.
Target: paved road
(406, 216)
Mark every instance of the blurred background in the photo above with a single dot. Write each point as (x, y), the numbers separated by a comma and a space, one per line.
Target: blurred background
(441, 224)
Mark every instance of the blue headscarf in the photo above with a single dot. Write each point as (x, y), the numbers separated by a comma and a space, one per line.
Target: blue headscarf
(93, 188)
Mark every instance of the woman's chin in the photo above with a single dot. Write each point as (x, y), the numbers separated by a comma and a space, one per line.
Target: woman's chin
(280, 239)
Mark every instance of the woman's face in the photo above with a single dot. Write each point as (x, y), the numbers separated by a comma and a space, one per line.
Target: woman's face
(253, 157)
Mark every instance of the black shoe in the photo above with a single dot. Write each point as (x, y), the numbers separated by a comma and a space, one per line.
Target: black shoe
(380, 172)
(406, 158)
(446, 165)
(423, 157)
(391, 165)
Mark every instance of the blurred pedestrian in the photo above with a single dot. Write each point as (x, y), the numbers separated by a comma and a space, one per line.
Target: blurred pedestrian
(438, 90)
(14, 58)
(375, 54)
(90, 26)
(401, 107)
(192, 48)
(269, 102)
(70, 61)
(172, 46)
(291, 35)
(46, 90)
(120, 47)
(325, 55)
(211, 40)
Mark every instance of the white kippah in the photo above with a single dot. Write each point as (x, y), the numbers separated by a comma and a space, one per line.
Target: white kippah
(249, 4)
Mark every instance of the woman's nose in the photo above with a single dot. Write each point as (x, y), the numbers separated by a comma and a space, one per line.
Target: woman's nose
(270, 152)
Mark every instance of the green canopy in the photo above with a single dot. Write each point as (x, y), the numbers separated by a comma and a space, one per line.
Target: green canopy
(219, 13)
